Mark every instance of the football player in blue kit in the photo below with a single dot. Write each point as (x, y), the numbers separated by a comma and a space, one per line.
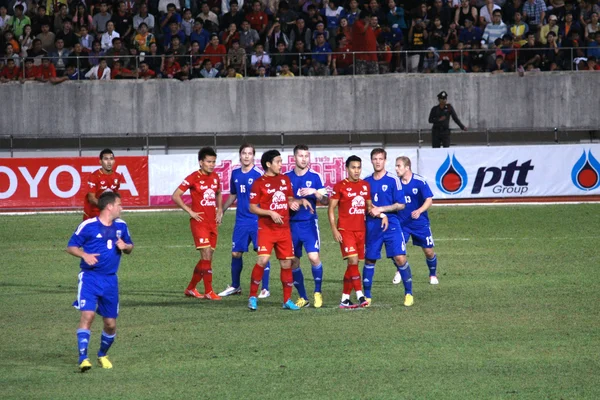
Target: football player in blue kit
(307, 184)
(246, 223)
(414, 218)
(388, 199)
(99, 242)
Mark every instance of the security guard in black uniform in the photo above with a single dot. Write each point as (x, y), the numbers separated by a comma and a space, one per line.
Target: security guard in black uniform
(440, 118)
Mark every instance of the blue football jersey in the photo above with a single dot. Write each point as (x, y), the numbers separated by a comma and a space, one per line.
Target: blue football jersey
(95, 238)
(310, 179)
(240, 185)
(415, 193)
(384, 192)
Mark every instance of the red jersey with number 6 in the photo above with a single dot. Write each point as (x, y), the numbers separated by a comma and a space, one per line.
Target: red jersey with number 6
(99, 182)
(272, 193)
(352, 206)
(204, 189)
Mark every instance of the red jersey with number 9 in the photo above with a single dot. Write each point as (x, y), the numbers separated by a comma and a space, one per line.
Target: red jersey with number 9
(272, 193)
(352, 206)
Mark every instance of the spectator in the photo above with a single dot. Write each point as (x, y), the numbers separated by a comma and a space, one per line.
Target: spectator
(519, 30)
(287, 18)
(18, 21)
(165, 6)
(4, 18)
(395, 17)
(285, 71)
(72, 73)
(179, 50)
(207, 70)
(38, 19)
(47, 38)
(10, 72)
(262, 72)
(436, 34)
(59, 57)
(274, 36)
(85, 38)
(345, 30)
(30, 72)
(486, 12)
(170, 67)
(37, 52)
(259, 59)
(96, 53)
(67, 35)
(236, 56)
(174, 30)
(183, 74)
(232, 73)
(430, 60)
(22, 3)
(592, 27)
(145, 72)
(567, 27)
(230, 35)
(171, 16)
(464, 12)
(60, 17)
(354, 12)
(117, 71)
(117, 53)
(332, 13)
(528, 54)
(80, 58)
(342, 63)
(321, 62)
(100, 20)
(441, 11)
(257, 18)
(187, 22)
(145, 17)
(143, 39)
(123, 22)
(594, 47)
(552, 57)
(109, 36)
(301, 62)
(227, 7)
(507, 50)
(319, 29)
(417, 39)
(550, 26)
(446, 57)
(82, 18)
(99, 72)
(9, 38)
(499, 65)
(364, 40)
(200, 35)
(534, 13)
(573, 42)
(279, 58)
(153, 59)
(25, 40)
(495, 30)
(470, 34)
(248, 37)
(195, 60)
(477, 58)
(384, 55)
(456, 68)
(216, 53)
(207, 15)
(300, 32)
(592, 64)
(233, 15)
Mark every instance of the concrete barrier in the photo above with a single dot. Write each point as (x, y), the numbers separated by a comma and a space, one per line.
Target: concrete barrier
(364, 103)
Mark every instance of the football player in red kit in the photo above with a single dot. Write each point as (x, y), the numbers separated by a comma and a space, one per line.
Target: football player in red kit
(104, 179)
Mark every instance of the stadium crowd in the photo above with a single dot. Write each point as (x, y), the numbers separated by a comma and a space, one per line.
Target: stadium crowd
(58, 40)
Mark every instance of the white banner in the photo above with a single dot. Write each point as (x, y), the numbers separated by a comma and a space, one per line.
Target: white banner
(167, 171)
(512, 171)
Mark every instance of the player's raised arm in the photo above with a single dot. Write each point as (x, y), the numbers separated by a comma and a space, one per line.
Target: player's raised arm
(179, 201)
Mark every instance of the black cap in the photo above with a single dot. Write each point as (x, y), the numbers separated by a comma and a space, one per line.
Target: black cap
(442, 95)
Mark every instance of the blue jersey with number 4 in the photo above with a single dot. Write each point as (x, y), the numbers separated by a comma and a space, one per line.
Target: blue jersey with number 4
(415, 193)
(240, 185)
(310, 179)
(95, 238)
(384, 192)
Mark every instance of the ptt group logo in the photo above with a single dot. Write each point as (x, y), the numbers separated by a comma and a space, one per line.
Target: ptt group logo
(585, 172)
(451, 177)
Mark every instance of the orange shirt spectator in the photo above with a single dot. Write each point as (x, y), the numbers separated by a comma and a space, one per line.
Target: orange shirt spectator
(258, 19)
(47, 69)
(216, 52)
(363, 39)
(10, 72)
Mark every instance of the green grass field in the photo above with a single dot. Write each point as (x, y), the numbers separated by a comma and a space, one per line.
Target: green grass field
(516, 315)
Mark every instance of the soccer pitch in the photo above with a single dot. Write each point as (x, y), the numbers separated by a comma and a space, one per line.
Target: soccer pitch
(516, 315)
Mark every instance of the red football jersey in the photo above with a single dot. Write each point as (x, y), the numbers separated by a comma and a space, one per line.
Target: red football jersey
(99, 182)
(352, 206)
(204, 190)
(272, 193)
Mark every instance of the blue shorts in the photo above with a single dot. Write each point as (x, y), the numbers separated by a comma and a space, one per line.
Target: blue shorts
(305, 233)
(393, 239)
(421, 236)
(242, 236)
(98, 293)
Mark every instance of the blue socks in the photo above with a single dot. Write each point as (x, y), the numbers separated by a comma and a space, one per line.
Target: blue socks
(432, 264)
(406, 277)
(106, 341)
(299, 282)
(266, 273)
(83, 341)
(368, 273)
(236, 271)
(317, 273)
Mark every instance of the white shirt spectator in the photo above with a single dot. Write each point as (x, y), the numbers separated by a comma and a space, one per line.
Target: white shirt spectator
(93, 74)
(148, 20)
(107, 39)
(263, 59)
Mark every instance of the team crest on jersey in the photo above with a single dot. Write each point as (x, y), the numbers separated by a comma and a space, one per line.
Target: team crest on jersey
(349, 189)
(267, 185)
(215, 180)
(102, 182)
(308, 184)
(249, 181)
(364, 187)
(384, 187)
(283, 181)
(119, 234)
(415, 190)
(116, 181)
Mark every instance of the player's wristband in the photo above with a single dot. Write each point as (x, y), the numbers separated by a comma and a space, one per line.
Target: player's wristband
(382, 215)
(322, 192)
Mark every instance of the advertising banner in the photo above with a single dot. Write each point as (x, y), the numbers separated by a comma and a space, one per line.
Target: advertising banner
(38, 183)
(167, 171)
(512, 171)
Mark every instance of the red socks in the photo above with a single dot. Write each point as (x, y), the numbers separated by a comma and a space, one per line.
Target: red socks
(257, 274)
(355, 276)
(347, 282)
(288, 283)
(202, 270)
(196, 276)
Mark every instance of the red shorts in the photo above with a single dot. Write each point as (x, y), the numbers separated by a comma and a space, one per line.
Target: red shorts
(280, 239)
(205, 235)
(353, 244)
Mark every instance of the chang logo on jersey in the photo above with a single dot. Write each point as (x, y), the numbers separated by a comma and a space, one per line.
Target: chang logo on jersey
(278, 201)
(586, 172)
(358, 206)
(451, 177)
(513, 176)
(208, 199)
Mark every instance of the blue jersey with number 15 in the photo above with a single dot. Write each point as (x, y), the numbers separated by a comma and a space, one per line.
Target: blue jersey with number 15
(415, 193)
(384, 192)
(240, 185)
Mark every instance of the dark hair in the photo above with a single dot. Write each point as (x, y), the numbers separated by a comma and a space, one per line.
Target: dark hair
(106, 151)
(19, 7)
(115, 40)
(107, 198)
(379, 150)
(206, 152)
(245, 144)
(268, 157)
(353, 158)
(300, 147)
